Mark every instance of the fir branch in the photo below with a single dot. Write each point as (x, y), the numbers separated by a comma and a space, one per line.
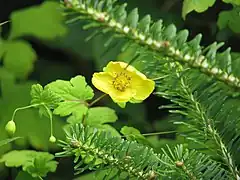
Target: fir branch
(164, 40)
(209, 125)
(99, 150)
(198, 118)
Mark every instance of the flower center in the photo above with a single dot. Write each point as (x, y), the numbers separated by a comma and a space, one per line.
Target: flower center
(121, 81)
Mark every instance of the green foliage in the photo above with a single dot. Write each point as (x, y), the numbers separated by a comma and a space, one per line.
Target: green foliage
(69, 98)
(202, 83)
(45, 98)
(132, 134)
(25, 176)
(187, 76)
(230, 19)
(196, 5)
(159, 39)
(21, 52)
(30, 22)
(202, 5)
(6, 141)
(28, 123)
(237, 2)
(43, 22)
(73, 101)
(38, 164)
(127, 159)
(100, 115)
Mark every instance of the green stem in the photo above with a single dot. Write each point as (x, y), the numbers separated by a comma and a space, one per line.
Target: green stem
(22, 108)
(5, 22)
(96, 100)
(159, 133)
(40, 177)
(51, 120)
(158, 78)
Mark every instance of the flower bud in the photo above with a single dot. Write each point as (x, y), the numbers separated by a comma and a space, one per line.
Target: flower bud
(52, 139)
(10, 127)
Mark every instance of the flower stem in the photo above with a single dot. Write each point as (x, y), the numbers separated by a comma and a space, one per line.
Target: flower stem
(159, 133)
(158, 78)
(96, 100)
(22, 108)
(5, 22)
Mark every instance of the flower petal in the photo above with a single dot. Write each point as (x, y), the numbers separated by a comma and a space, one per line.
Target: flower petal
(113, 68)
(143, 87)
(118, 96)
(102, 81)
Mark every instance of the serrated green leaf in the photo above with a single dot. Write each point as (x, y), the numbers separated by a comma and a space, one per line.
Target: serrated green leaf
(75, 89)
(132, 134)
(41, 165)
(19, 58)
(45, 97)
(68, 107)
(100, 115)
(108, 128)
(35, 163)
(6, 141)
(44, 21)
(196, 5)
(17, 158)
(230, 19)
(236, 2)
(73, 94)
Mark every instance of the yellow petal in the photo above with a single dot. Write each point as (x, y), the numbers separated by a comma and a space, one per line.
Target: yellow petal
(118, 96)
(113, 68)
(142, 87)
(122, 104)
(102, 81)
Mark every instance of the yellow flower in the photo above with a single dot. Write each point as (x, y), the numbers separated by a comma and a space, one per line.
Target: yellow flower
(123, 83)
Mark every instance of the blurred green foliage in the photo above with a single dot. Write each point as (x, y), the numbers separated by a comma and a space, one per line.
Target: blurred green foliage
(44, 25)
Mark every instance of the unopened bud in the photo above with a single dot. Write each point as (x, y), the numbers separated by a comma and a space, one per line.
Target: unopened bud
(52, 139)
(10, 127)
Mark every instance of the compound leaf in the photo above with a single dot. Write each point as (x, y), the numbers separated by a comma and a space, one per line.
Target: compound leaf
(47, 98)
(33, 162)
(73, 94)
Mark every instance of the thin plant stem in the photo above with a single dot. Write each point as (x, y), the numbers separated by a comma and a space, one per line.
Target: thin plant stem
(159, 133)
(96, 100)
(158, 78)
(5, 22)
(22, 108)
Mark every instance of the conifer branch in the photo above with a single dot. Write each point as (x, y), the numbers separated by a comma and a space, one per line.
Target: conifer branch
(156, 38)
(198, 119)
(99, 150)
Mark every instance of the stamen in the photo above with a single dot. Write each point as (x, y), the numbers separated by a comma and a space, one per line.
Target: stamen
(121, 81)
